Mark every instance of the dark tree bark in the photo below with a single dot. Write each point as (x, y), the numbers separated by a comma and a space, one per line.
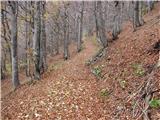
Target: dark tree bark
(36, 41)
(136, 18)
(116, 27)
(43, 64)
(14, 30)
(3, 62)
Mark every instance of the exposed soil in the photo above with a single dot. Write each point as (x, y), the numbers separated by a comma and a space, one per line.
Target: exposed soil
(70, 91)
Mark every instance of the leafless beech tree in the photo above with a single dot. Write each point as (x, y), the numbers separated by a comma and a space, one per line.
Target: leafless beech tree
(66, 31)
(14, 12)
(46, 29)
(36, 39)
(116, 26)
(100, 24)
(80, 27)
(137, 18)
(43, 64)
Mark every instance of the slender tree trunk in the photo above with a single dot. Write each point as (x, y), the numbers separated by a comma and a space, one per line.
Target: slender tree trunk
(96, 21)
(66, 30)
(57, 44)
(14, 13)
(117, 21)
(80, 28)
(43, 64)
(140, 13)
(150, 5)
(27, 48)
(36, 41)
(3, 63)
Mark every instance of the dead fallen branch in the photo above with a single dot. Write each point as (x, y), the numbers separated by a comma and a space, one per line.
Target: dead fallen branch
(143, 95)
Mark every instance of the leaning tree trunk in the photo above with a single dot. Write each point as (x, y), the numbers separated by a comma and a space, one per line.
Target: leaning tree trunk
(101, 25)
(14, 13)
(36, 41)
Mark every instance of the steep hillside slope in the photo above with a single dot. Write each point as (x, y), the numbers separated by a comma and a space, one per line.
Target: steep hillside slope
(70, 90)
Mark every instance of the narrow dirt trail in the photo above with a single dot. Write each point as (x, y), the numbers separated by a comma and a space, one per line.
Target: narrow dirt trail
(69, 92)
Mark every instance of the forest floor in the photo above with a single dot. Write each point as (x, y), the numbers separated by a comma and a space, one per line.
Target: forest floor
(70, 91)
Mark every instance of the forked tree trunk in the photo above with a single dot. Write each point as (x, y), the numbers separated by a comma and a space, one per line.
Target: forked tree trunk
(14, 13)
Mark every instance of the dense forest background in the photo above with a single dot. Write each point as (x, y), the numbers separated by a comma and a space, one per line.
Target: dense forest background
(84, 43)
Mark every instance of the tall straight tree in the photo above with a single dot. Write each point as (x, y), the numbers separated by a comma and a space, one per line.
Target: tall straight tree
(101, 24)
(140, 13)
(14, 13)
(80, 27)
(66, 32)
(136, 17)
(36, 40)
(43, 64)
(27, 40)
(116, 26)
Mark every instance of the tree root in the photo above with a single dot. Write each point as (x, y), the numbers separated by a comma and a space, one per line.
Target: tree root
(101, 53)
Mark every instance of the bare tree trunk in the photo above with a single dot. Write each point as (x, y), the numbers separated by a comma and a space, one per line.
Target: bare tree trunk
(14, 13)
(80, 28)
(96, 21)
(140, 13)
(3, 63)
(117, 21)
(136, 22)
(101, 25)
(66, 30)
(26, 36)
(36, 41)
(150, 5)
(43, 64)
(6, 38)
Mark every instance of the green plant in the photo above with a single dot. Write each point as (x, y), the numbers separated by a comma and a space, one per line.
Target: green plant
(104, 93)
(97, 71)
(154, 103)
(138, 69)
(122, 83)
